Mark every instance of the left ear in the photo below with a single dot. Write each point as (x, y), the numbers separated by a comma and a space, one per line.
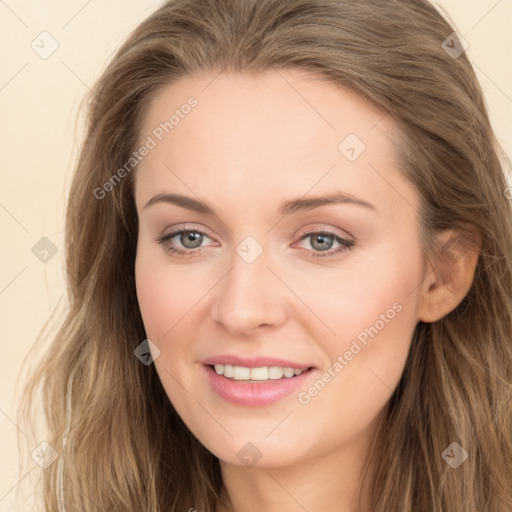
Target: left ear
(450, 276)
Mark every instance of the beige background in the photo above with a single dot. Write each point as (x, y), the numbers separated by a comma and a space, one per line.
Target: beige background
(39, 100)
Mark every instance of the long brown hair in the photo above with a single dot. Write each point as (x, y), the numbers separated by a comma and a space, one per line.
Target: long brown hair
(121, 445)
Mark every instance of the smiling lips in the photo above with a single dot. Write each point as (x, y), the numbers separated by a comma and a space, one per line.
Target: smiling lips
(255, 382)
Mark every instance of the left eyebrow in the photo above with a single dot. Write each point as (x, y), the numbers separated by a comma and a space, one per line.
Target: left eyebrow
(286, 208)
(302, 204)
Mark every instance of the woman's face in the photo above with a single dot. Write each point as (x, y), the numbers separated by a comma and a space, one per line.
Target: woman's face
(267, 267)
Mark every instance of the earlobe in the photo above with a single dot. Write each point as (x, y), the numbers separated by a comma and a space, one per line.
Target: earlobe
(449, 278)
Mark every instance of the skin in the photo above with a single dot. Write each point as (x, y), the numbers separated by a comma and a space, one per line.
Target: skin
(252, 142)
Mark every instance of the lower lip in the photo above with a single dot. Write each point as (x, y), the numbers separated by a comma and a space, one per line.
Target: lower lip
(255, 394)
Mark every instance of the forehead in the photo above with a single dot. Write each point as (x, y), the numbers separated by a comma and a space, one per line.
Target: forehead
(275, 101)
(282, 130)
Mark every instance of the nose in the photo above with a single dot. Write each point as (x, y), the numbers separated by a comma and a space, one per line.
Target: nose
(249, 297)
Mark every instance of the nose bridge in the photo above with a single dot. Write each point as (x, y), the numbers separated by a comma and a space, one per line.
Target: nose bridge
(249, 295)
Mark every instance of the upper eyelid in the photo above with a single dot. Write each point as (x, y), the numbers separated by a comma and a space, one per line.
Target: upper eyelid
(331, 231)
(176, 231)
(315, 229)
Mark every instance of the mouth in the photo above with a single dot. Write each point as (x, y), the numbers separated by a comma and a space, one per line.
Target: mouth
(267, 385)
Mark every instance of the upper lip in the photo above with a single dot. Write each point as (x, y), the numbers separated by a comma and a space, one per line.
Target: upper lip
(254, 362)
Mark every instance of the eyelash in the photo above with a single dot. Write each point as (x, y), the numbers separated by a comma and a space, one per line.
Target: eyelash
(344, 243)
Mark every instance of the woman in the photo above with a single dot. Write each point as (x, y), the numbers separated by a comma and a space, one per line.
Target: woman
(290, 279)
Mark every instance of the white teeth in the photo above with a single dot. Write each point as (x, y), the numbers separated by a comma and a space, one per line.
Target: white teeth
(242, 373)
(288, 372)
(259, 373)
(275, 372)
(262, 373)
(229, 370)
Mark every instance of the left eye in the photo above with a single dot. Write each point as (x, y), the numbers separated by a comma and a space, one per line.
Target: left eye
(184, 242)
(322, 241)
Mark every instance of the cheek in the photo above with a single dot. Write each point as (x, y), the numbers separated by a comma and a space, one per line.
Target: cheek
(157, 298)
(165, 293)
(374, 314)
(366, 362)
(360, 294)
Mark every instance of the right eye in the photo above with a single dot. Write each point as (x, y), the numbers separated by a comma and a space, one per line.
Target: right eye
(183, 242)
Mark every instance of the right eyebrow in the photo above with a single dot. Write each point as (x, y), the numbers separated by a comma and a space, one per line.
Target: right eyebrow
(184, 201)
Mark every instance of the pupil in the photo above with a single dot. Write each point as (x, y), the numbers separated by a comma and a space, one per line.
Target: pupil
(322, 239)
(191, 239)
